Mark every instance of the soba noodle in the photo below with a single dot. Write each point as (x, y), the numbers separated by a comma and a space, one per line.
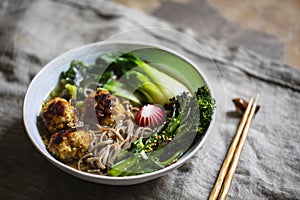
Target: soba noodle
(108, 142)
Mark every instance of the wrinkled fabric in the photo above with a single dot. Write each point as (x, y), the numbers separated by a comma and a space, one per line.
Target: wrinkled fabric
(34, 32)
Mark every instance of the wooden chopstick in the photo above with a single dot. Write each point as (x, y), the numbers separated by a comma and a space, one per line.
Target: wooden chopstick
(218, 185)
(227, 171)
(237, 153)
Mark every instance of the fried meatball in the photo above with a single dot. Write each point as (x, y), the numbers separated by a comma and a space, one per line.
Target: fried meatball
(58, 114)
(102, 106)
(69, 144)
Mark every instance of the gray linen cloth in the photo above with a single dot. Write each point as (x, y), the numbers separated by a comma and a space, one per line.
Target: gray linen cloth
(34, 32)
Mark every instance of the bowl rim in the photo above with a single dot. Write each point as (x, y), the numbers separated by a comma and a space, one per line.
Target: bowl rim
(109, 179)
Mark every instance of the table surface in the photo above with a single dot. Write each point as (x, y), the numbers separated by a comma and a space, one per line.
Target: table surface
(268, 27)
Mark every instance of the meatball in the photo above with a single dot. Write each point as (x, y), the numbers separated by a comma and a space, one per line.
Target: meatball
(103, 107)
(58, 114)
(69, 144)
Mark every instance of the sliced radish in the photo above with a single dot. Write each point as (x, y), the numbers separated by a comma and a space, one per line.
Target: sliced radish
(150, 115)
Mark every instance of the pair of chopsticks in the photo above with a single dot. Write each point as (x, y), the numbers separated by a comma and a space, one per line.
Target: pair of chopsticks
(227, 171)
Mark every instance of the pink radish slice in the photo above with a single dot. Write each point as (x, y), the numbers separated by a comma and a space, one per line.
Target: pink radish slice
(150, 115)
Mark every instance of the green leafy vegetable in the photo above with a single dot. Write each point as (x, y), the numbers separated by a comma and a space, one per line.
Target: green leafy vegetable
(123, 75)
(206, 106)
(119, 89)
(72, 90)
(146, 82)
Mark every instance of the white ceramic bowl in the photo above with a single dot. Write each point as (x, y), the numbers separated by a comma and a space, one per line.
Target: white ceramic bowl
(47, 78)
